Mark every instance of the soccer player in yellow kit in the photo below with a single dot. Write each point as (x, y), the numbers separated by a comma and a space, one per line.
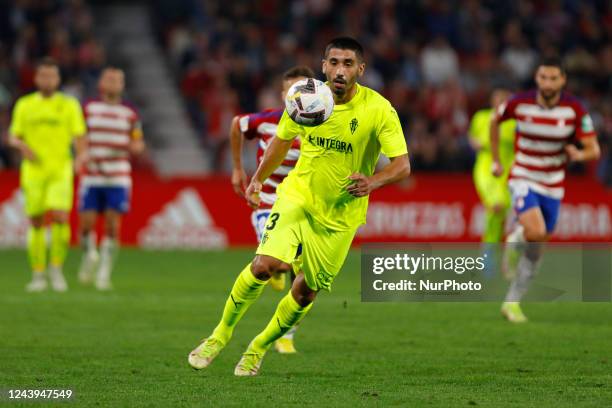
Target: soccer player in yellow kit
(493, 192)
(43, 127)
(320, 204)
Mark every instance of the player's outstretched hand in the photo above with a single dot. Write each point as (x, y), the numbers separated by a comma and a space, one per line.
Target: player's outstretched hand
(252, 193)
(497, 169)
(361, 186)
(239, 181)
(573, 153)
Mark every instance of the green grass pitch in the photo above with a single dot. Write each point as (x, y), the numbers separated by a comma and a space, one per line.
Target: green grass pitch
(128, 348)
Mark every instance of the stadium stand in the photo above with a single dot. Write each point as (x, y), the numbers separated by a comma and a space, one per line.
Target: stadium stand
(437, 61)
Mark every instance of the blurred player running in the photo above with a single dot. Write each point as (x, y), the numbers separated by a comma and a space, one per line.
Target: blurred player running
(549, 122)
(44, 125)
(262, 125)
(493, 191)
(113, 132)
(320, 204)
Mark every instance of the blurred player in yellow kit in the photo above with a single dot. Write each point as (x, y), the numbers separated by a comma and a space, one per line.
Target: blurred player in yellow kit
(493, 192)
(44, 125)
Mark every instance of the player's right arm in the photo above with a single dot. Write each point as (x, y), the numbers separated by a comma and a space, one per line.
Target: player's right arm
(474, 136)
(16, 133)
(498, 168)
(273, 157)
(504, 112)
(239, 177)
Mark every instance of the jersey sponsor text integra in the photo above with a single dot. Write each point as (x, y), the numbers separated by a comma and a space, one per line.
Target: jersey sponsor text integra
(333, 144)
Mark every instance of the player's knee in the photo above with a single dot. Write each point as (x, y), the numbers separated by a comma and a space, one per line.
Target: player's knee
(87, 222)
(263, 267)
(111, 229)
(300, 291)
(533, 250)
(59, 217)
(37, 222)
(304, 299)
(536, 234)
(499, 208)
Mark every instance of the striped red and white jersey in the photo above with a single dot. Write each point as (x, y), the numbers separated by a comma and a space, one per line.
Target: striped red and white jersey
(110, 129)
(262, 125)
(541, 136)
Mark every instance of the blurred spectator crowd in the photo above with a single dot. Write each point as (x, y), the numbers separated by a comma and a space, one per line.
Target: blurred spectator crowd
(31, 29)
(437, 61)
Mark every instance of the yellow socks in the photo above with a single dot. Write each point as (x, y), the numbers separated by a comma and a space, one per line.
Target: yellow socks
(37, 249)
(288, 314)
(60, 241)
(246, 290)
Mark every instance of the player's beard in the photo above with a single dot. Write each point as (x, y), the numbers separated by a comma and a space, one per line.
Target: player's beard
(339, 91)
(46, 92)
(112, 97)
(548, 94)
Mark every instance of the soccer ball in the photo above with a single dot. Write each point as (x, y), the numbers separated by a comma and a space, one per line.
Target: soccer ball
(309, 102)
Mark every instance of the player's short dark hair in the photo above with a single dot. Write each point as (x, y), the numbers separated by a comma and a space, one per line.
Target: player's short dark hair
(552, 61)
(47, 62)
(345, 43)
(112, 68)
(298, 71)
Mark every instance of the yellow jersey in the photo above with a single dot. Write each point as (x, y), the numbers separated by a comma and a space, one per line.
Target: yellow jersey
(48, 126)
(350, 141)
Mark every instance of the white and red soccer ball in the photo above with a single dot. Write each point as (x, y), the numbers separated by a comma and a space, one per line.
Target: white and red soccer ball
(309, 102)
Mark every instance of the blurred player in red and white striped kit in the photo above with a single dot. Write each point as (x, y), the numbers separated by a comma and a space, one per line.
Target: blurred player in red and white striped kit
(550, 123)
(262, 126)
(113, 134)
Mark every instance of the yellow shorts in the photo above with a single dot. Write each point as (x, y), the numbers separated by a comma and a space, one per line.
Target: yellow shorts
(492, 191)
(47, 189)
(323, 250)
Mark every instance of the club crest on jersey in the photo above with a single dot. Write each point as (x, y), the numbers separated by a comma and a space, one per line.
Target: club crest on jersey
(354, 123)
(587, 124)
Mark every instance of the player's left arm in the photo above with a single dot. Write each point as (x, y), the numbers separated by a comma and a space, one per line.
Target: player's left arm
(590, 150)
(80, 147)
(585, 134)
(396, 170)
(393, 145)
(137, 143)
